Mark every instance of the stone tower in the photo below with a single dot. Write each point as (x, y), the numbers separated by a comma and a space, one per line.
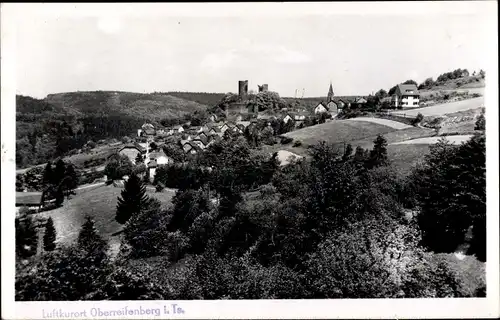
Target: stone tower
(264, 87)
(243, 88)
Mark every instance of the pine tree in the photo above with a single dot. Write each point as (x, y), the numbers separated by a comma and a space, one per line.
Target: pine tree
(89, 241)
(378, 155)
(70, 179)
(49, 237)
(59, 195)
(133, 199)
(347, 152)
(139, 159)
(59, 172)
(48, 175)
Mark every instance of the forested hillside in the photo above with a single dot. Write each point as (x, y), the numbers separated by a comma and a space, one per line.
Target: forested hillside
(51, 127)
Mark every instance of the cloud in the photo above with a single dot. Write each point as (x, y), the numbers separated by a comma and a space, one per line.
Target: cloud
(109, 24)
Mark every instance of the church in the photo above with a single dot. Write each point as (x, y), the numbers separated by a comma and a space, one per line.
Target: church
(334, 107)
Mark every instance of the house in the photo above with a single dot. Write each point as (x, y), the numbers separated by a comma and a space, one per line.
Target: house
(160, 157)
(223, 128)
(30, 200)
(131, 151)
(178, 129)
(213, 118)
(161, 131)
(152, 165)
(333, 107)
(190, 148)
(320, 108)
(196, 129)
(201, 142)
(287, 118)
(406, 96)
(243, 123)
(148, 129)
(361, 101)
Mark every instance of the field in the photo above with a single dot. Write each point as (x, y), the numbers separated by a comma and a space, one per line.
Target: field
(338, 131)
(99, 203)
(445, 108)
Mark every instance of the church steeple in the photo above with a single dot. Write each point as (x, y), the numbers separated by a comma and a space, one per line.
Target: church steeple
(330, 93)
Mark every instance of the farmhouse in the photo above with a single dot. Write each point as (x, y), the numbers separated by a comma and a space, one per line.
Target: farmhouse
(178, 129)
(131, 151)
(30, 200)
(320, 108)
(406, 96)
(160, 158)
(148, 129)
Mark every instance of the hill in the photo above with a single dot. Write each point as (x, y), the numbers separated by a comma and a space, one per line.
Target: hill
(151, 107)
(338, 131)
(206, 98)
(51, 127)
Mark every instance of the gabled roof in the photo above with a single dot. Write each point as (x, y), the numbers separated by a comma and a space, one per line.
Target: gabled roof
(133, 146)
(152, 164)
(157, 154)
(203, 139)
(28, 198)
(410, 89)
(177, 127)
(147, 126)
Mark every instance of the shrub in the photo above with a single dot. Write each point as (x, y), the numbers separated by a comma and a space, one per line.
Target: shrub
(286, 140)
(297, 143)
(418, 119)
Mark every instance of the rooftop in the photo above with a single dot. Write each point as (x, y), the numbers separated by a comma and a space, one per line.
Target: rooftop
(28, 198)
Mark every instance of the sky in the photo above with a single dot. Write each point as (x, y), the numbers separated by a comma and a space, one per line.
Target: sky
(357, 51)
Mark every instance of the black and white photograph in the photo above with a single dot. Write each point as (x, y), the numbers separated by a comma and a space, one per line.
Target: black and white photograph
(178, 153)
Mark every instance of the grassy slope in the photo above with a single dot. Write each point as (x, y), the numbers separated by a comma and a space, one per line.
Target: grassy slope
(209, 99)
(338, 131)
(100, 203)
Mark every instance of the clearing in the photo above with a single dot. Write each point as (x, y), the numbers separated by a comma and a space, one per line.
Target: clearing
(100, 204)
(458, 139)
(284, 157)
(386, 122)
(444, 108)
(338, 131)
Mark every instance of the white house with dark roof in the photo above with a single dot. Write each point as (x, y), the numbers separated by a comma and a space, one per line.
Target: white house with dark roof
(406, 96)
(320, 108)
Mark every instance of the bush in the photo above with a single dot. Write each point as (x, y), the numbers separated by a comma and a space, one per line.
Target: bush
(418, 119)
(297, 143)
(159, 187)
(286, 140)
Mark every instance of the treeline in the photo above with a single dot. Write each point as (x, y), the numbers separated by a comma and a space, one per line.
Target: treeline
(292, 238)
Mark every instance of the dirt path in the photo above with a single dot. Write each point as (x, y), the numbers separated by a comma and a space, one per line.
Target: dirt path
(458, 139)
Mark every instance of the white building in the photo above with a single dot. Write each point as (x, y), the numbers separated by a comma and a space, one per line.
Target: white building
(320, 108)
(406, 96)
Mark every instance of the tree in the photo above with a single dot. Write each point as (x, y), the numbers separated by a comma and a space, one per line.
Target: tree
(188, 205)
(139, 159)
(482, 73)
(381, 94)
(347, 152)
(450, 189)
(480, 122)
(48, 175)
(378, 155)
(133, 198)
(70, 179)
(411, 82)
(118, 166)
(90, 242)
(49, 236)
(26, 236)
(59, 172)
